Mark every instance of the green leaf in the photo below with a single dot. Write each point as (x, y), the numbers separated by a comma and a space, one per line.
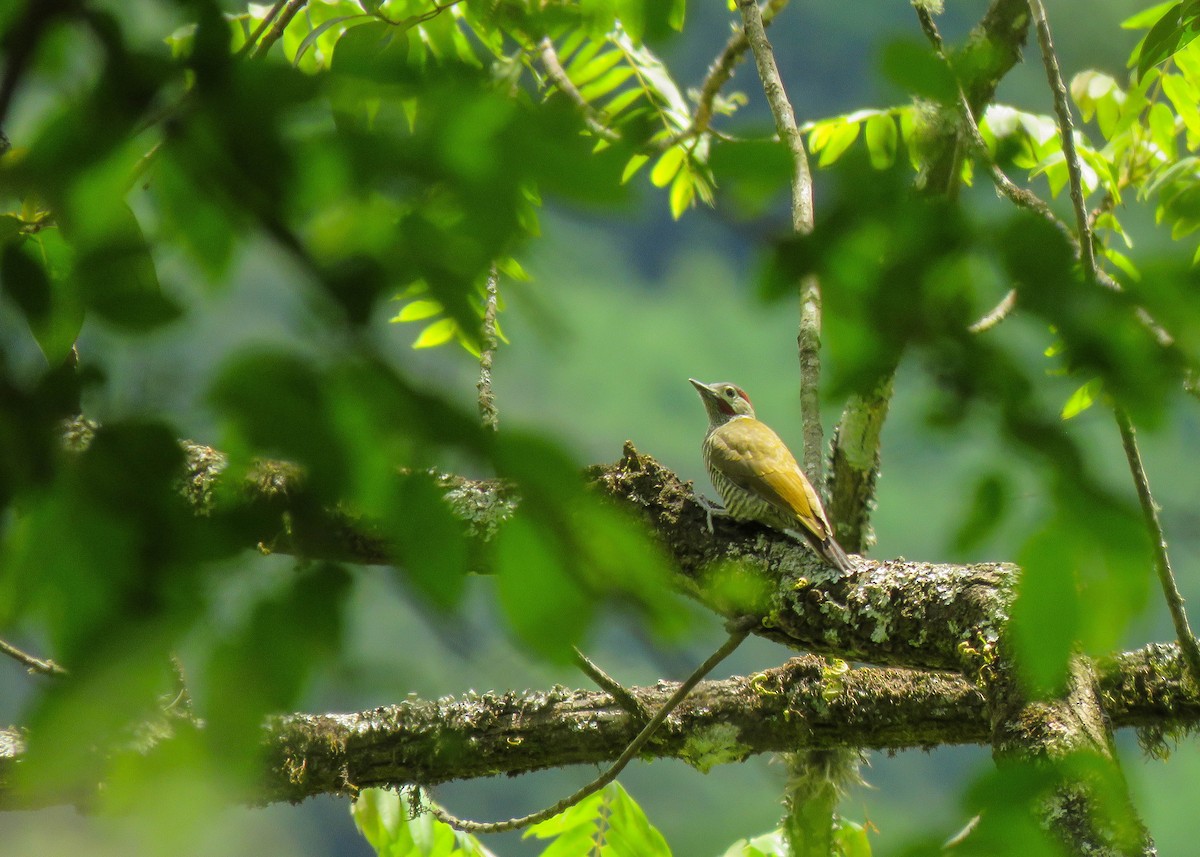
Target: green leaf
(1147, 18)
(374, 50)
(631, 168)
(10, 228)
(606, 84)
(1162, 129)
(683, 192)
(438, 333)
(1082, 399)
(383, 817)
(418, 310)
(1183, 96)
(545, 607)
(264, 665)
(881, 136)
(276, 405)
(990, 503)
(1046, 616)
(841, 137)
(669, 163)
(584, 73)
(850, 839)
(916, 69)
(1177, 28)
(427, 539)
(1123, 263)
(622, 100)
(675, 16)
(318, 31)
(117, 278)
(607, 823)
(24, 280)
(770, 844)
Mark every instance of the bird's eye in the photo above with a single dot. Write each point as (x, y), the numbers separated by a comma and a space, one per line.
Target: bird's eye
(730, 392)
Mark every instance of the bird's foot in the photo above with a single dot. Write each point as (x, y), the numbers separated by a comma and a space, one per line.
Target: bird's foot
(711, 509)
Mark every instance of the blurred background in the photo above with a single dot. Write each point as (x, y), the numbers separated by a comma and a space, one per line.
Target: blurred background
(619, 313)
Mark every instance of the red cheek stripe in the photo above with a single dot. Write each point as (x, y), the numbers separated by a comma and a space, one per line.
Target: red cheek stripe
(725, 407)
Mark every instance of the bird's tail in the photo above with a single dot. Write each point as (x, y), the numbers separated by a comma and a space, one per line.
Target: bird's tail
(834, 554)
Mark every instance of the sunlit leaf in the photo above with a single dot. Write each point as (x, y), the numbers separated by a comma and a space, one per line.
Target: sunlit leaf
(668, 164)
(635, 164)
(1082, 399)
(418, 310)
(438, 333)
(683, 192)
(384, 818)
(841, 138)
(607, 823)
(881, 136)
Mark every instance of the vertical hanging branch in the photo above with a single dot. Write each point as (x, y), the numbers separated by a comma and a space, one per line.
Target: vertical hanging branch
(1162, 561)
(1084, 819)
(1087, 255)
(808, 339)
(854, 466)
(487, 399)
(816, 778)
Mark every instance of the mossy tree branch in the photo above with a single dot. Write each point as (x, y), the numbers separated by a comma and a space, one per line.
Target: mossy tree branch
(802, 704)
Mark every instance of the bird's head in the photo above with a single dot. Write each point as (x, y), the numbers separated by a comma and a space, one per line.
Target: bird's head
(723, 401)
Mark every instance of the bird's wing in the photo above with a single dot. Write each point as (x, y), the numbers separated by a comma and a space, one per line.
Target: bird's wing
(753, 457)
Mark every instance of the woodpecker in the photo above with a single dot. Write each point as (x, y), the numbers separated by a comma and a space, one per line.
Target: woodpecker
(756, 474)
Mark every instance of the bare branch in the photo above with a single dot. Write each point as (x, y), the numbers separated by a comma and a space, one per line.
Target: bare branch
(281, 23)
(1062, 109)
(487, 398)
(252, 41)
(781, 110)
(808, 338)
(721, 70)
(736, 638)
(1021, 197)
(34, 664)
(800, 705)
(558, 76)
(1162, 562)
(997, 314)
(614, 688)
(855, 464)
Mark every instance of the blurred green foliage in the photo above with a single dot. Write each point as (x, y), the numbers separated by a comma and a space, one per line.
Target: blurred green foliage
(390, 150)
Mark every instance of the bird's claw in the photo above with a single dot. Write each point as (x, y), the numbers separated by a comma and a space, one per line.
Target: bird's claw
(710, 508)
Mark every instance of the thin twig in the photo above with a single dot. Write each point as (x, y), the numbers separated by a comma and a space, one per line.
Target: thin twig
(808, 338)
(998, 313)
(281, 23)
(262, 26)
(808, 352)
(1162, 562)
(558, 75)
(610, 685)
(1087, 253)
(720, 73)
(736, 636)
(487, 398)
(1019, 196)
(35, 664)
(781, 110)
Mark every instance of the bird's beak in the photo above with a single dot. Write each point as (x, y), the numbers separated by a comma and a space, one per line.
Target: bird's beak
(700, 386)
